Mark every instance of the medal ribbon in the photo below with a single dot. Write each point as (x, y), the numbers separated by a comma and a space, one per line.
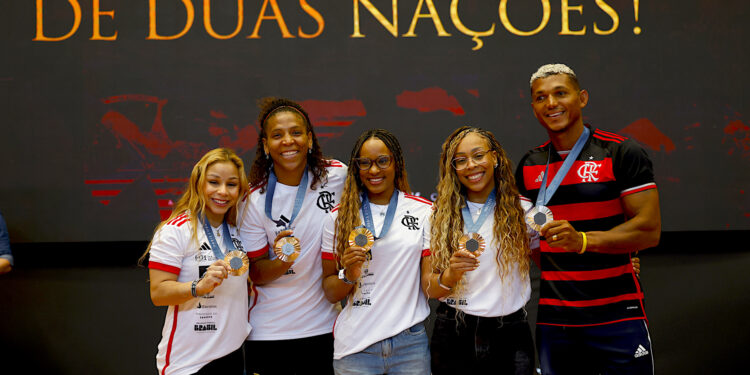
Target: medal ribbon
(298, 199)
(389, 214)
(212, 240)
(471, 226)
(542, 198)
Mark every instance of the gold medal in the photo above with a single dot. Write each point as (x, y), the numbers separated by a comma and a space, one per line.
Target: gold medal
(238, 262)
(538, 216)
(361, 237)
(472, 242)
(287, 249)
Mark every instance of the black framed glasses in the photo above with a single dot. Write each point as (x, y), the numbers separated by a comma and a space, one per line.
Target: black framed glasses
(382, 161)
(461, 162)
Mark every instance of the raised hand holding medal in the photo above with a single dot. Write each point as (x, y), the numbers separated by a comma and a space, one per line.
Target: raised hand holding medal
(539, 215)
(237, 259)
(472, 241)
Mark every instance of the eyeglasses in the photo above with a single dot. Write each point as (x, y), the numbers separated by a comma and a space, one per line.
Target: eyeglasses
(382, 161)
(479, 158)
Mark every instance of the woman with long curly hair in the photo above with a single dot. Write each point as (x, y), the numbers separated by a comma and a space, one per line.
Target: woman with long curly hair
(293, 188)
(376, 269)
(479, 262)
(206, 322)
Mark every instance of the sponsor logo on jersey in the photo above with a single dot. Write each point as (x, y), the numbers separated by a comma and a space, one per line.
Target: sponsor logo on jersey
(453, 302)
(540, 178)
(290, 271)
(282, 222)
(640, 352)
(362, 302)
(410, 222)
(325, 200)
(589, 171)
(205, 327)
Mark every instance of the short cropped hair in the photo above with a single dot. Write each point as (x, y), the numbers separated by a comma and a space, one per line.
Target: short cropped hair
(547, 70)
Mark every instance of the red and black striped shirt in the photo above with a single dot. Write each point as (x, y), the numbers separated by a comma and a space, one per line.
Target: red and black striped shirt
(590, 288)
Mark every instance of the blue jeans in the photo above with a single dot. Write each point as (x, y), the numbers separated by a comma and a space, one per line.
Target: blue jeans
(405, 353)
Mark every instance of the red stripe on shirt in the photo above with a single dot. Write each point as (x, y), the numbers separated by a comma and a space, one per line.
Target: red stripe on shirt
(610, 134)
(327, 256)
(426, 253)
(257, 253)
(638, 189)
(177, 218)
(598, 172)
(546, 248)
(591, 302)
(587, 275)
(183, 221)
(604, 138)
(418, 199)
(163, 267)
(171, 339)
(587, 211)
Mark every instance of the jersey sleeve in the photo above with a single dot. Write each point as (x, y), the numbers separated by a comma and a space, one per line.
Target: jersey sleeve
(519, 180)
(168, 248)
(633, 169)
(252, 232)
(328, 243)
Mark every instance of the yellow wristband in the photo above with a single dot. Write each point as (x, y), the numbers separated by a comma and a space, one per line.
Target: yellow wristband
(585, 242)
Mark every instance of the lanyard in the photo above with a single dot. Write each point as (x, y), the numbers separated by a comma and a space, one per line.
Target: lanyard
(471, 226)
(546, 194)
(298, 199)
(212, 240)
(389, 214)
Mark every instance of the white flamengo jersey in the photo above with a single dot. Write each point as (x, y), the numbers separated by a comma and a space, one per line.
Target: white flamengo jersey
(294, 305)
(484, 294)
(208, 327)
(389, 298)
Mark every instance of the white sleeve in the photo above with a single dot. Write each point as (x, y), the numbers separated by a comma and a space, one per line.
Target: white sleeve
(252, 232)
(328, 243)
(168, 248)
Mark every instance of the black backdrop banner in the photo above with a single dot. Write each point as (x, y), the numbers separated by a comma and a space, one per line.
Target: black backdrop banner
(107, 104)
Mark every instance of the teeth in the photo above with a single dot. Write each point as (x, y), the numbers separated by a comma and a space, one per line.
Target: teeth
(556, 114)
(289, 153)
(376, 180)
(475, 177)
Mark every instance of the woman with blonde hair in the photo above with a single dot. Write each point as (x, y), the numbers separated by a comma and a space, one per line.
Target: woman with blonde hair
(373, 244)
(479, 262)
(198, 267)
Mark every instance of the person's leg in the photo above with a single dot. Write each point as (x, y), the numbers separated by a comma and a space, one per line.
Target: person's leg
(231, 363)
(410, 352)
(313, 355)
(560, 352)
(511, 345)
(621, 348)
(367, 362)
(452, 347)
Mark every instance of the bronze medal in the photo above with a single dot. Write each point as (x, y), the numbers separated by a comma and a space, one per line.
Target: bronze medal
(361, 237)
(538, 216)
(238, 262)
(287, 249)
(472, 242)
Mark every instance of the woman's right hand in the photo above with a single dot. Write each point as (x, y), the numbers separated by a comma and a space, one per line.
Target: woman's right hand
(352, 260)
(461, 261)
(213, 277)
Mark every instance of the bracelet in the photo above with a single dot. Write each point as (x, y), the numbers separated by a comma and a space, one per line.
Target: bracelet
(440, 276)
(585, 242)
(193, 286)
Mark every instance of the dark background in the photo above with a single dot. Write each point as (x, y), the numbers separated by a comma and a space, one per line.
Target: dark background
(98, 137)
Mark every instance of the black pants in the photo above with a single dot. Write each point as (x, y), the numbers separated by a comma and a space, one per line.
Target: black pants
(229, 364)
(500, 345)
(309, 355)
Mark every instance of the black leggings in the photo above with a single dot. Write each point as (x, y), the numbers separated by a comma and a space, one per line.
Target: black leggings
(229, 364)
(499, 345)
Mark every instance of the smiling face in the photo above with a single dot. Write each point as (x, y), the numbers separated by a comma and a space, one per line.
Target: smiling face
(221, 190)
(474, 164)
(379, 182)
(557, 103)
(287, 141)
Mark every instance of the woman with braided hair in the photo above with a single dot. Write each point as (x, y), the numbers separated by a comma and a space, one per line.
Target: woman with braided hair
(373, 244)
(479, 262)
(293, 188)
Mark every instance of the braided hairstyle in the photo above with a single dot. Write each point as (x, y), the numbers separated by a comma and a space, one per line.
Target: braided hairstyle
(509, 230)
(348, 217)
(261, 168)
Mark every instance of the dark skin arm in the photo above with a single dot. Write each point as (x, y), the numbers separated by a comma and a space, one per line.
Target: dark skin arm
(641, 231)
(461, 261)
(264, 270)
(335, 289)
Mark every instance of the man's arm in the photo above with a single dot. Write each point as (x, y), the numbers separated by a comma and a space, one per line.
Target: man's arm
(641, 230)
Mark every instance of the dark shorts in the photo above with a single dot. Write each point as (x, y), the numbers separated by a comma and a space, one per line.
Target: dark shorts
(309, 355)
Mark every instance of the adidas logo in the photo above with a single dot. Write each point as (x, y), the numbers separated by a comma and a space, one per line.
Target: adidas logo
(640, 352)
(205, 246)
(540, 177)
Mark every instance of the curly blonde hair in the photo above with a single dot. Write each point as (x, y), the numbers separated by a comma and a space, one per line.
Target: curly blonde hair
(193, 201)
(447, 222)
(348, 217)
